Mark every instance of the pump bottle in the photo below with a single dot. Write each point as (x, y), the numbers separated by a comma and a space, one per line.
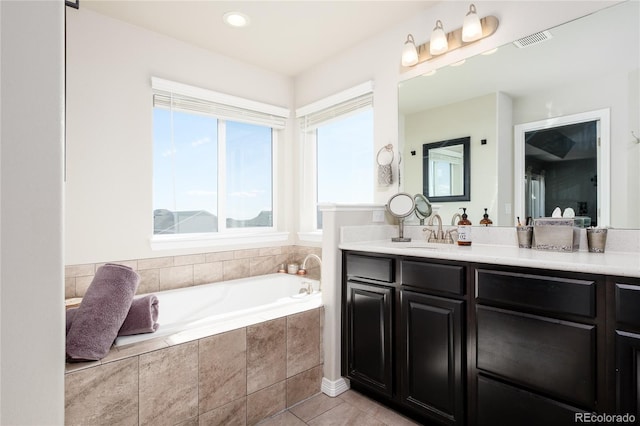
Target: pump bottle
(464, 229)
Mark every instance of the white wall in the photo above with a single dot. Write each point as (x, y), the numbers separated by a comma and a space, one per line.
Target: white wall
(31, 274)
(109, 129)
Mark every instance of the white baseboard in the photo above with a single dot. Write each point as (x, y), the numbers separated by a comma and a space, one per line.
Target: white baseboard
(334, 387)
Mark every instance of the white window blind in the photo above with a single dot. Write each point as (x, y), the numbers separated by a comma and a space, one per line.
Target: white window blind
(182, 97)
(339, 105)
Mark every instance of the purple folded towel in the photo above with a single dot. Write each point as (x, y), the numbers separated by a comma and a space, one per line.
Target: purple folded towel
(142, 316)
(102, 312)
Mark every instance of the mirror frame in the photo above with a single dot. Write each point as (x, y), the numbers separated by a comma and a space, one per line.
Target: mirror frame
(466, 169)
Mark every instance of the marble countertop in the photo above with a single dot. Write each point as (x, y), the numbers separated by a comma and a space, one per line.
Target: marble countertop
(608, 263)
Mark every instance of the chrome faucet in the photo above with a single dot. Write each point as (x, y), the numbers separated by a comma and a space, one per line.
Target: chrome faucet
(303, 268)
(453, 219)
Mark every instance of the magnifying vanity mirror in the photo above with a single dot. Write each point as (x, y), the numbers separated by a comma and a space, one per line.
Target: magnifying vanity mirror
(423, 207)
(400, 206)
(573, 69)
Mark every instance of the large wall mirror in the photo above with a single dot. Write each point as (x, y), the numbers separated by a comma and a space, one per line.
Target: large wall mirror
(589, 64)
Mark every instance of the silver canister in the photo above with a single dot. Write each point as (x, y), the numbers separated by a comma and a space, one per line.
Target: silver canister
(596, 239)
(525, 235)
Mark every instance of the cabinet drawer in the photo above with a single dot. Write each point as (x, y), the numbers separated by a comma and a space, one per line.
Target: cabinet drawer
(501, 404)
(369, 267)
(433, 276)
(549, 294)
(556, 357)
(628, 304)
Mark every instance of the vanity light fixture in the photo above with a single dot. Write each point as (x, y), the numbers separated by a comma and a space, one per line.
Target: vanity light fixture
(471, 28)
(474, 29)
(409, 52)
(236, 19)
(438, 44)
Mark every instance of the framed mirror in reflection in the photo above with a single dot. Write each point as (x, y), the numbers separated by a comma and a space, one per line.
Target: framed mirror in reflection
(445, 170)
(574, 70)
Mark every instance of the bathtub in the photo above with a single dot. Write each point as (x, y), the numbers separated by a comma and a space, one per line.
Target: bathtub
(194, 312)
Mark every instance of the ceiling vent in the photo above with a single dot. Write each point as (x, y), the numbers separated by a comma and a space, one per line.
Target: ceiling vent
(533, 39)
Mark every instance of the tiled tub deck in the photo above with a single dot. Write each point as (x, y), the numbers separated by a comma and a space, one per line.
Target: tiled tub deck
(237, 377)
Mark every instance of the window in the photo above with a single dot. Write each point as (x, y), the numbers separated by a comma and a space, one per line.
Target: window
(213, 162)
(338, 141)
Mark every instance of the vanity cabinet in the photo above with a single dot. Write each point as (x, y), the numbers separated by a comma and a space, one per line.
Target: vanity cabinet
(403, 334)
(464, 343)
(627, 345)
(539, 343)
(367, 323)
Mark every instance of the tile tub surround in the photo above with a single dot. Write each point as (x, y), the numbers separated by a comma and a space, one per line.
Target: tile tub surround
(166, 273)
(238, 377)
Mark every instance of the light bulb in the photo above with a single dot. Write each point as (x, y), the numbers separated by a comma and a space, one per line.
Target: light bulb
(438, 44)
(409, 52)
(472, 28)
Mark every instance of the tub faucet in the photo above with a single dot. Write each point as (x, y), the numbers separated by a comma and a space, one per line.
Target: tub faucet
(303, 268)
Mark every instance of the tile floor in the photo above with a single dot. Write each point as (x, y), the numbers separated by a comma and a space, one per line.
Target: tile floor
(349, 408)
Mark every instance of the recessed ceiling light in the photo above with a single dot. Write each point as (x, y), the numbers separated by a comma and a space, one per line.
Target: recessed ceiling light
(236, 19)
(457, 64)
(429, 73)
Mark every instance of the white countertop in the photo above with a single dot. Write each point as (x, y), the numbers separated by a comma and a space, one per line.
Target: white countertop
(608, 263)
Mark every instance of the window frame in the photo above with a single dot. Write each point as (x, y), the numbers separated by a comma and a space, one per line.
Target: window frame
(322, 112)
(226, 236)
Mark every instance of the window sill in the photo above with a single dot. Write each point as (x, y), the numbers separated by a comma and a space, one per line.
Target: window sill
(313, 236)
(171, 242)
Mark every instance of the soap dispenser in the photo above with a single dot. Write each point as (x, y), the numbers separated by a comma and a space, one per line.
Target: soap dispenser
(464, 229)
(485, 219)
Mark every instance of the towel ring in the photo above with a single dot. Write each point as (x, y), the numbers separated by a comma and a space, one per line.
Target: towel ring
(387, 150)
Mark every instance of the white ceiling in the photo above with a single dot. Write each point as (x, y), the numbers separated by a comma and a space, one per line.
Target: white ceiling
(287, 37)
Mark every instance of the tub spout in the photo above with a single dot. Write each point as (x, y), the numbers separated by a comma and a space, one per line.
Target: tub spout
(303, 268)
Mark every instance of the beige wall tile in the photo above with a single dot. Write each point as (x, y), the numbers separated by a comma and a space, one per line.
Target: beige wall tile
(304, 385)
(265, 403)
(155, 262)
(262, 265)
(169, 385)
(82, 284)
(79, 270)
(206, 273)
(233, 269)
(92, 394)
(69, 287)
(270, 251)
(245, 254)
(218, 256)
(266, 354)
(191, 422)
(149, 281)
(190, 259)
(176, 277)
(231, 414)
(223, 369)
(303, 341)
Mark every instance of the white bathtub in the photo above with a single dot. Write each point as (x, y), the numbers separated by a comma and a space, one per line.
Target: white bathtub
(199, 311)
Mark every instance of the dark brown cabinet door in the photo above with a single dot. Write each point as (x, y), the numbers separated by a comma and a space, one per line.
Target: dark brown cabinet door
(369, 345)
(432, 381)
(628, 373)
